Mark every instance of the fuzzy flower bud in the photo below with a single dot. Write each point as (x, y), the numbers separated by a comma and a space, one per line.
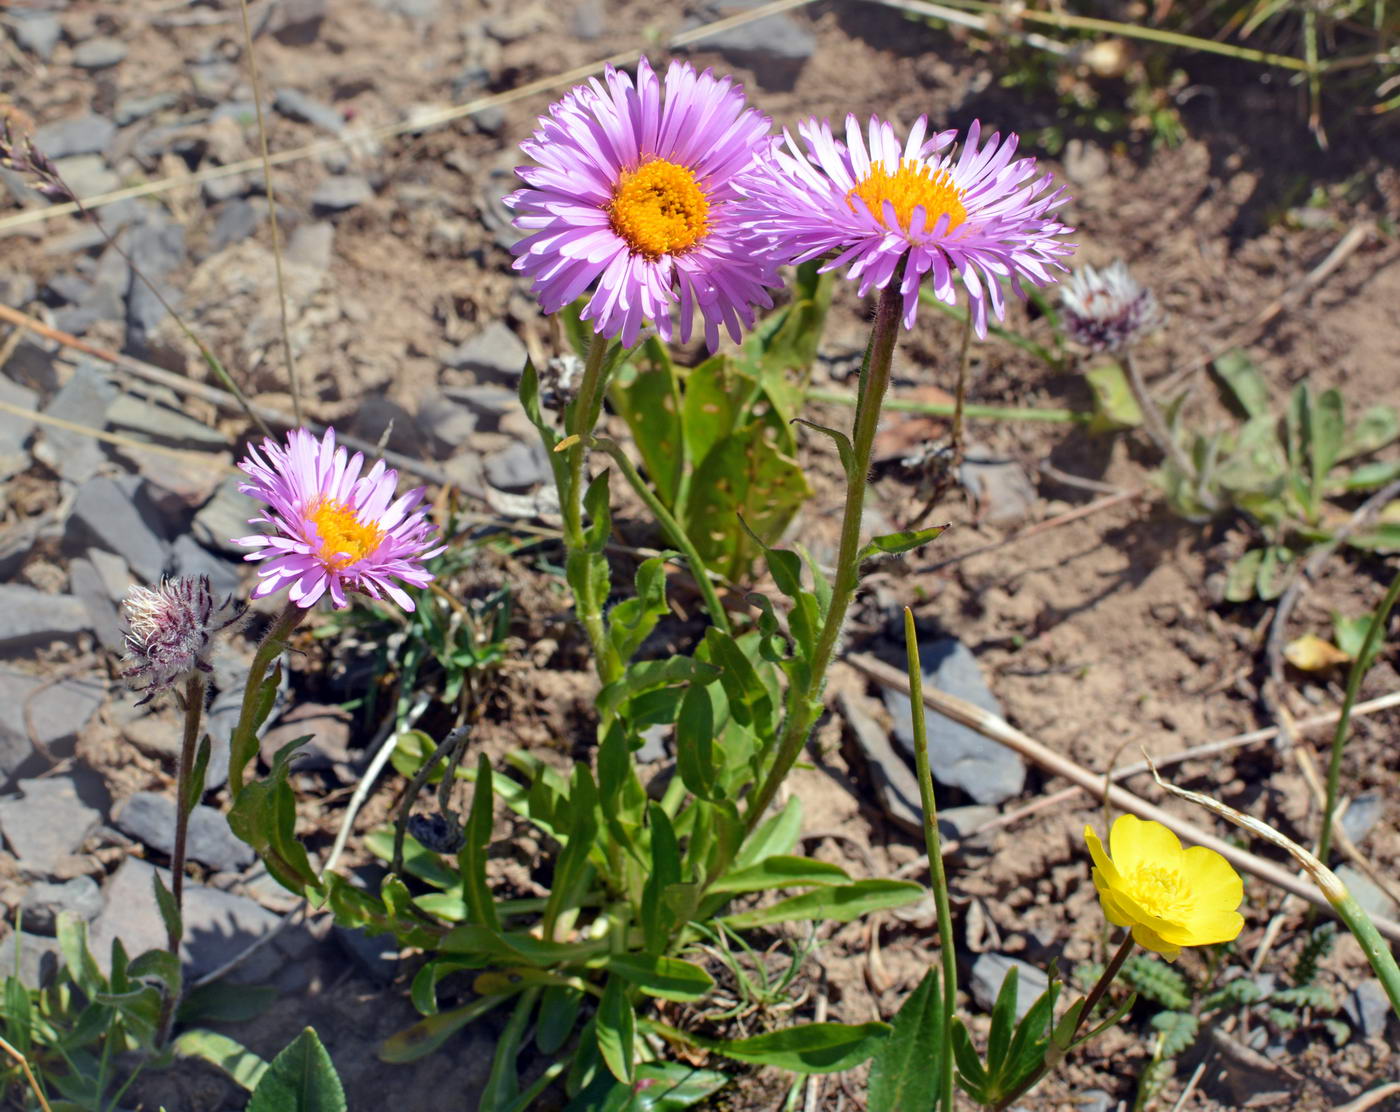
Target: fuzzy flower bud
(1107, 310)
(170, 632)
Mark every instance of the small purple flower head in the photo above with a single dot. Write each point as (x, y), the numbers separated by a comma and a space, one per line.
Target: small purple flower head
(170, 632)
(634, 197)
(980, 217)
(1107, 310)
(330, 528)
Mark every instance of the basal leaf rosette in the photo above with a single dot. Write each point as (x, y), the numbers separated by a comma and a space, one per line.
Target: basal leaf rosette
(872, 204)
(1170, 897)
(331, 527)
(634, 198)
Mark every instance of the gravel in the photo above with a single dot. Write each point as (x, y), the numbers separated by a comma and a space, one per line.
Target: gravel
(45, 823)
(149, 817)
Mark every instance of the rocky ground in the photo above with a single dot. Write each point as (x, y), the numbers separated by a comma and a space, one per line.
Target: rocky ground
(408, 331)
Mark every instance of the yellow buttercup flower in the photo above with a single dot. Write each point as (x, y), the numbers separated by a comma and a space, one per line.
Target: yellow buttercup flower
(1171, 897)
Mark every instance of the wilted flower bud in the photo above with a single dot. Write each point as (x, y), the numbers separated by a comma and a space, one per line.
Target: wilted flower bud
(1106, 310)
(170, 631)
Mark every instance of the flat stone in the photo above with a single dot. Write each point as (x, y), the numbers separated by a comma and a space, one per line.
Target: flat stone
(158, 424)
(379, 418)
(44, 900)
(1002, 490)
(85, 134)
(149, 817)
(1362, 814)
(493, 353)
(340, 193)
(39, 958)
(312, 245)
(87, 585)
(137, 106)
(296, 105)
(489, 403)
(958, 756)
(329, 727)
(293, 22)
(518, 466)
(237, 220)
(84, 400)
(896, 786)
(99, 53)
(58, 712)
(36, 31)
(224, 517)
(990, 970)
(158, 247)
(417, 11)
(775, 48)
(1368, 1008)
(15, 431)
(218, 925)
(448, 424)
(87, 175)
(156, 733)
(105, 515)
(376, 956)
(189, 557)
(46, 822)
(29, 617)
(1366, 892)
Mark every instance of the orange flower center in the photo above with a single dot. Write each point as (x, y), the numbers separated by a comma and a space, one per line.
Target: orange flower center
(659, 209)
(913, 185)
(1159, 891)
(345, 539)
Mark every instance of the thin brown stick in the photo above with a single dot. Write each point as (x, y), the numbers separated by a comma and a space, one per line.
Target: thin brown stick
(1371, 1099)
(997, 729)
(23, 1063)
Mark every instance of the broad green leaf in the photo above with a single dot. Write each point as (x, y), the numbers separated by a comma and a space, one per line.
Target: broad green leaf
(77, 958)
(894, 544)
(715, 395)
(840, 903)
(222, 1002)
(1115, 407)
(631, 621)
(1273, 572)
(598, 508)
(1243, 385)
(432, 1031)
(645, 675)
(615, 1027)
(1239, 586)
(649, 401)
(663, 977)
(809, 1047)
(904, 1074)
(1374, 429)
(659, 1087)
(656, 917)
(1327, 429)
(1003, 1021)
(780, 871)
(971, 1074)
(696, 756)
(471, 860)
(230, 1056)
(264, 816)
(300, 1079)
(418, 860)
(559, 1009)
(165, 903)
(775, 834)
(1372, 476)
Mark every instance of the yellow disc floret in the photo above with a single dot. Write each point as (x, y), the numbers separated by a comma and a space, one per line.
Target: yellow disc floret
(659, 209)
(913, 185)
(345, 539)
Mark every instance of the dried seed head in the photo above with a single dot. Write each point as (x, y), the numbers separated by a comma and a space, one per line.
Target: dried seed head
(1107, 310)
(18, 153)
(171, 630)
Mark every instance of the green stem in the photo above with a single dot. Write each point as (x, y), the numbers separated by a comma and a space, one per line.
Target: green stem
(1339, 737)
(243, 743)
(583, 415)
(970, 412)
(1095, 995)
(803, 705)
(1377, 952)
(674, 532)
(935, 864)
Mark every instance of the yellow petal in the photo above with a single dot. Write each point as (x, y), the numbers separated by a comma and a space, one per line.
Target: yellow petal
(1150, 940)
(1108, 900)
(1136, 843)
(1211, 927)
(1213, 880)
(1101, 861)
(1312, 653)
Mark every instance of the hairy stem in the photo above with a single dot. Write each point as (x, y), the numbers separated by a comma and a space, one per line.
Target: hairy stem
(243, 743)
(1156, 429)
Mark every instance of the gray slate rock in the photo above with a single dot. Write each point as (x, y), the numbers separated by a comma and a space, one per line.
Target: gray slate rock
(100, 53)
(377, 957)
(149, 817)
(189, 557)
(87, 584)
(36, 31)
(518, 466)
(775, 48)
(489, 403)
(58, 712)
(959, 757)
(44, 900)
(159, 424)
(105, 515)
(225, 516)
(137, 106)
(46, 822)
(237, 220)
(1368, 1008)
(87, 174)
(493, 353)
(448, 424)
(293, 22)
(83, 400)
(218, 925)
(158, 247)
(39, 957)
(1003, 492)
(29, 617)
(85, 134)
(988, 973)
(1362, 814)
(1366, 892)
(15, 431)
(341, 193)
(296, 105)
(895, 784)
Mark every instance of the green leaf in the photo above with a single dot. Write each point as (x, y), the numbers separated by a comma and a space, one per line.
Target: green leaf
(971, 1075)
(664, 977)
(894, 544)
(1157, 981)
(503, 1084)
(904, 1073)
(264, 816)
(659, 1087)
(559, 1009)
(1003, 1022)
(1244, 386)
(616, 1029)
(1239, 586)
(77, 958)
(696, 756)
(1273, 572)
(165, 903)
(243, 744)
(631, 621)
(840, 903)
(471, 859)
(222, 1002)
(1326, 433)
(649, 401)
(780, 871)
(656, 917)
(1178, 1031)
(775, 834)
(809, 1047)
(598, 509)
(1374, 429)
(300, 1079)
(230, 1056)
(195, 788)
(843, 445)
(430, 1032)
(1115, 408)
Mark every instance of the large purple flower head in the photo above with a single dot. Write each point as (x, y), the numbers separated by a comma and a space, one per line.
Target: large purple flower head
(634, 197)
(979, 217)
(332, 529)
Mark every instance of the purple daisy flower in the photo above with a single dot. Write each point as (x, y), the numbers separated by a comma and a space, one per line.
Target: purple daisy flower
(981, 217)
(635, 196)
(331, 527)
(1108, 309)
